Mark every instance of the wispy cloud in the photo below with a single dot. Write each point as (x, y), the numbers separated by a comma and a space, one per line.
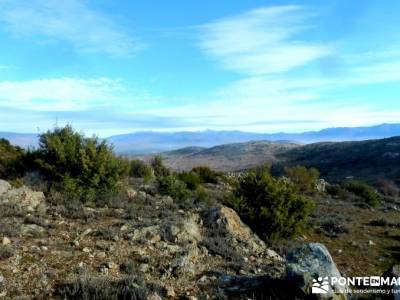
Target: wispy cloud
(71, 21)
(262, 41)
(268, 46)
(59, 93)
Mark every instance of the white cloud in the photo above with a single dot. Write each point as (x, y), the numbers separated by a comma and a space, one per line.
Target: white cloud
(71, 21)
(59, 93)
(262, 41)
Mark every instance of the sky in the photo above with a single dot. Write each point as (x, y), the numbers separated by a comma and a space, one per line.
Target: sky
(111, 67)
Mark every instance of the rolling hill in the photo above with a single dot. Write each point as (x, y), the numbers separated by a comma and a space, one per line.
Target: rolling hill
(229, 157)
(366, 160)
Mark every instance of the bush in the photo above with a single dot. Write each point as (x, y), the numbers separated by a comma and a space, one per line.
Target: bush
(139, 169)
(171, 186)
(78, 167)
(206, 174)
(202, 196)
(11, 160)
(333, 226)
(191, 179)
(271, 206)
(337, 191)
(304, 179)
(364, 191)
(158, 167)
(6, 251)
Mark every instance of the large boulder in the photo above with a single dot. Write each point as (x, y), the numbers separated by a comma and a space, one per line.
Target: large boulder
(4, 187)
(187, 230)
(23, 197)
(311, 265)
(226, 221)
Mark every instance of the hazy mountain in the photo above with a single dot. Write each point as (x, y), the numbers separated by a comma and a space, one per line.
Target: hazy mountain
(153, 142)
(24, 140)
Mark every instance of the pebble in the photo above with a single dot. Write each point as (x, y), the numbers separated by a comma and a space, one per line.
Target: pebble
(101, 255)
(170, 291)
(6, 241)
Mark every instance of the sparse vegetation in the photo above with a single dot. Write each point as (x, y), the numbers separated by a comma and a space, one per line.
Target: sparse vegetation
(191, 179)
(6, 251)
(140, 169)
(364, 191)
(158, 167)
(206, 174)
(105, 289)
(172, 186)
(303, 178)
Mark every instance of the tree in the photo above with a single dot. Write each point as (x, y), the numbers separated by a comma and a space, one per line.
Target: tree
(83, 167)
(271, 206)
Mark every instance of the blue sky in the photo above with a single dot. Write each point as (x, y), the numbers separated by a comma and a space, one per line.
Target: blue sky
(110, 67)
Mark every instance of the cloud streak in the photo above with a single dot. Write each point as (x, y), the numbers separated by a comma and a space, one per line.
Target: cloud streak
(70, 21)
(59, 93)
(261, 41)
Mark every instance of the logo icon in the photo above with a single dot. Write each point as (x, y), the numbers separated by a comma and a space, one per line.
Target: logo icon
(320, 285)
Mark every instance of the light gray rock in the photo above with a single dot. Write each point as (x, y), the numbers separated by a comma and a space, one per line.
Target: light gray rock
(4, 187)
(320, 185)
(226, 220)
(312, 262)
(23, 197)
(31, 230)
(146, 233)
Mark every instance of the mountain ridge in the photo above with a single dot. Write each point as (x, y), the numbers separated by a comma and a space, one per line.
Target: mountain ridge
(146, 142)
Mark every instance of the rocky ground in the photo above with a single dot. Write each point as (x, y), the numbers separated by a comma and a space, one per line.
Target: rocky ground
(155, 248)
(182, 250)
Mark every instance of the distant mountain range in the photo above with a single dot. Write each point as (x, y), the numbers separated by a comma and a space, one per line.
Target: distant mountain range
(153, 142)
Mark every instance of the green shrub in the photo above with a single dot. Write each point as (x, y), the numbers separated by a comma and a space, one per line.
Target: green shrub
(158, 167)
(139, 169)
(271, 206)
(364, 191)
(171, 186)
(78, 167)
(304, 179)
(337, 191)
(202, 196)
(191, 179)
(11, 160)
(6, 251)
(206, 174)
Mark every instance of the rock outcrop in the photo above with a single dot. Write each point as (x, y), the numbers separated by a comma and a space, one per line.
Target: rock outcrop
(23, 196)
(227, 221)
(312, 265)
